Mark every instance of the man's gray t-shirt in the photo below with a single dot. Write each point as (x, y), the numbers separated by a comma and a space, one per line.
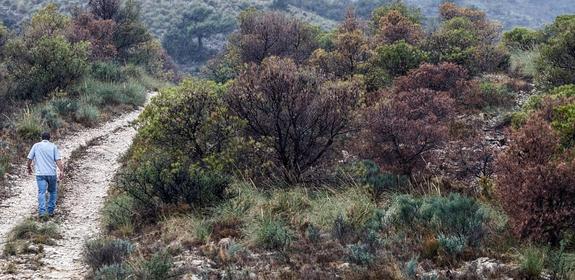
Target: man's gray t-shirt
(45, 155)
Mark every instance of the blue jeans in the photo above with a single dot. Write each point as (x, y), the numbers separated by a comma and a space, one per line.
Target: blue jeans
(50, 184)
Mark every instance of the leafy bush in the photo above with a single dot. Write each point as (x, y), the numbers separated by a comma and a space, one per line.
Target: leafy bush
(50, 63)
(522, 38)
(112, 272)
(160, 178)
(564, 123)
(555, 63)
(156, 268)
(398, 58)
(118, 212)
(273, 234)
(100, 252)
(190, 123)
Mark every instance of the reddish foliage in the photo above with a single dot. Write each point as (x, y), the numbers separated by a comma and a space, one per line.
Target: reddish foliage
(394, 27)
(293, 112)
(444, 77)
(407, 127)
(98, 32)
(536, 183)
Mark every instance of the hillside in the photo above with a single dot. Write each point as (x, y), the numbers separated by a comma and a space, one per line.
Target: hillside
(511, 13)
(418, 148)
(159, 15)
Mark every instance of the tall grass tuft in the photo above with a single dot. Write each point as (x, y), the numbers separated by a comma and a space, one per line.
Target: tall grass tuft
(30, 125)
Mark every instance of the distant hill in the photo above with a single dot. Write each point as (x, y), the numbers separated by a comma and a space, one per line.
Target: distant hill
(511, 13)
(160, 14)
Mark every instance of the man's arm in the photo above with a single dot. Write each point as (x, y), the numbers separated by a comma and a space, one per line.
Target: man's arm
(31, 156)
(29, 165)
(60, 168)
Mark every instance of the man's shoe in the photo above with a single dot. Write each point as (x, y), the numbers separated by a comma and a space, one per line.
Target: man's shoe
(44, 218)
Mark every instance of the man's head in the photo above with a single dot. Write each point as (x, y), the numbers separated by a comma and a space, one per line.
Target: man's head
(46, 135)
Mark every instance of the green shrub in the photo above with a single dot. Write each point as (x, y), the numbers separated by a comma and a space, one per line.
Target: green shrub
(564, 123)
(29, 126)
(454, 215)
(172, 183)
(273, 234)
(532, 262)
(106, 71)
(45, 65)
(191, 123)
(87, 114)
(112, 272)
(64, 106)
(522, 38)
(563, 91)
(117, 213)
(359, 254)
(398, 58)
(100, 252)
(156, 268)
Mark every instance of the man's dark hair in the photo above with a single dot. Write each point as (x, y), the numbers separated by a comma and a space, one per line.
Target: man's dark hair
(45, 135)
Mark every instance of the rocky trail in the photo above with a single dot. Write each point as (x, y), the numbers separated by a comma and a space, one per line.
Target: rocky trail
(95, 155)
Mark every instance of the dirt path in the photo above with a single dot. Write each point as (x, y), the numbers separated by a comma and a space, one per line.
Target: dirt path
(85, 194)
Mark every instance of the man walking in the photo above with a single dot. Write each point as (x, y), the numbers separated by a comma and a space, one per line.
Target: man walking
(46, 158)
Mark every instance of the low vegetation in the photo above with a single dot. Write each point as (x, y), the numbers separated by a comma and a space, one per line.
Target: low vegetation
(59, 71)
(372, 151)
(29, 237)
